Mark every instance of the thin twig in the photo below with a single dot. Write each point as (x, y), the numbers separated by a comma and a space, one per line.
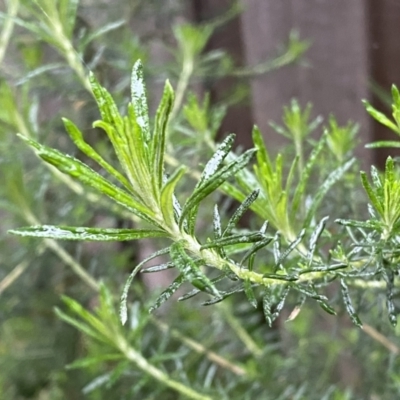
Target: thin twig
(142, 363)
(13, 6)
(242, 334)
(201, 349)
(17, 271)
(60, 252)
(374, 334)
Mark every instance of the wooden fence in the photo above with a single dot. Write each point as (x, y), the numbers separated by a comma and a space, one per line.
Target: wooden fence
(355, 46)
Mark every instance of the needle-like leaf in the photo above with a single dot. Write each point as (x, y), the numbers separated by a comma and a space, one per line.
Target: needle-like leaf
(190, 271)
(86, 234)
(87, 176)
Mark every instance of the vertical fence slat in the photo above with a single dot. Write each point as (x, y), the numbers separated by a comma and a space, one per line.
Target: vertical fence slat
(335, 80)
(384, 50)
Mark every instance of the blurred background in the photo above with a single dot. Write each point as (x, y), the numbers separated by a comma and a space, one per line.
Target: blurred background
(251, 58)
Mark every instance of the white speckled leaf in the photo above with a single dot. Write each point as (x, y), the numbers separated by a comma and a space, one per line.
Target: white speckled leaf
(139, 101)
(86, 234)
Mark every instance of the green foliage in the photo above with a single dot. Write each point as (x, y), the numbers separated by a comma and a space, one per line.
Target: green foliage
(150, 197)
(148, 185)
(384, 120)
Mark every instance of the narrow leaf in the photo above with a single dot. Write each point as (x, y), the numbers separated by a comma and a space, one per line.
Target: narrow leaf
(96, 360)
(167, 196)
(123, 309)
(281, 302)
(234, 239)
(314, 239)
(291, 247)
(396, 96)
(389, 297)
(75, 168)
(218, 230)
(159, 135)
(194, 292)
(326, 307)
(380, 117)
(107, 107)
(281, 277)
(371, 193)
(262, 154)
(254, 249)
(190, 270)
(215, 163)
(248, 290)
(310, 291)
(223, 295)
(332, 178)
(77, 138)
(86, 329)
(111, 26)
(250, 199)
(86, 234)
(276, 248)
(371, 224)
(167, 293)
(267, 307)
(305, 175)
(67, 11)
(323, 268)
(213, 183)
(348, 304)
(191, 220)
(382, 143)
(157, 268)
(189, 295)
(139, 100)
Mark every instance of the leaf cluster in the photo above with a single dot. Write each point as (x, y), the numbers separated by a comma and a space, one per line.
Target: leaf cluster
(214, 267)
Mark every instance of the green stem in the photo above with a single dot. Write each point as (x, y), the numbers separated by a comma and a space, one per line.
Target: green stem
(201, 349)
(135, 357)
(59, 251)
(13, 6)
(72, 57)
(183, 83)
(66, 48)
(299, 152)
(17, 271)
(242, 334)
(72, 263)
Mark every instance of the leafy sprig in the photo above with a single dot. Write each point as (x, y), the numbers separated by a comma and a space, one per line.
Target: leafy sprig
(226, 263)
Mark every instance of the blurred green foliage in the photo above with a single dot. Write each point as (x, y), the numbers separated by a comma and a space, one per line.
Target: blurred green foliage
(227, 351)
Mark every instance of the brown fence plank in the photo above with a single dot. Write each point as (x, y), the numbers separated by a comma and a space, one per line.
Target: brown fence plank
(384, 49)
(336, 80)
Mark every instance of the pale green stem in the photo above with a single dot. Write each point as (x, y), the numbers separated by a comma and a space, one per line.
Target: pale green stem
(183, 83)
(74, 62)
(201, 349)
(59, 251)
(286, 58)
(299, 152)
(17, 271)
(242, 334)
(135, 357)
(13, 6)
(367, 284)
(72, 263)
(67, 49)
(130, 353)
(376, 335)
